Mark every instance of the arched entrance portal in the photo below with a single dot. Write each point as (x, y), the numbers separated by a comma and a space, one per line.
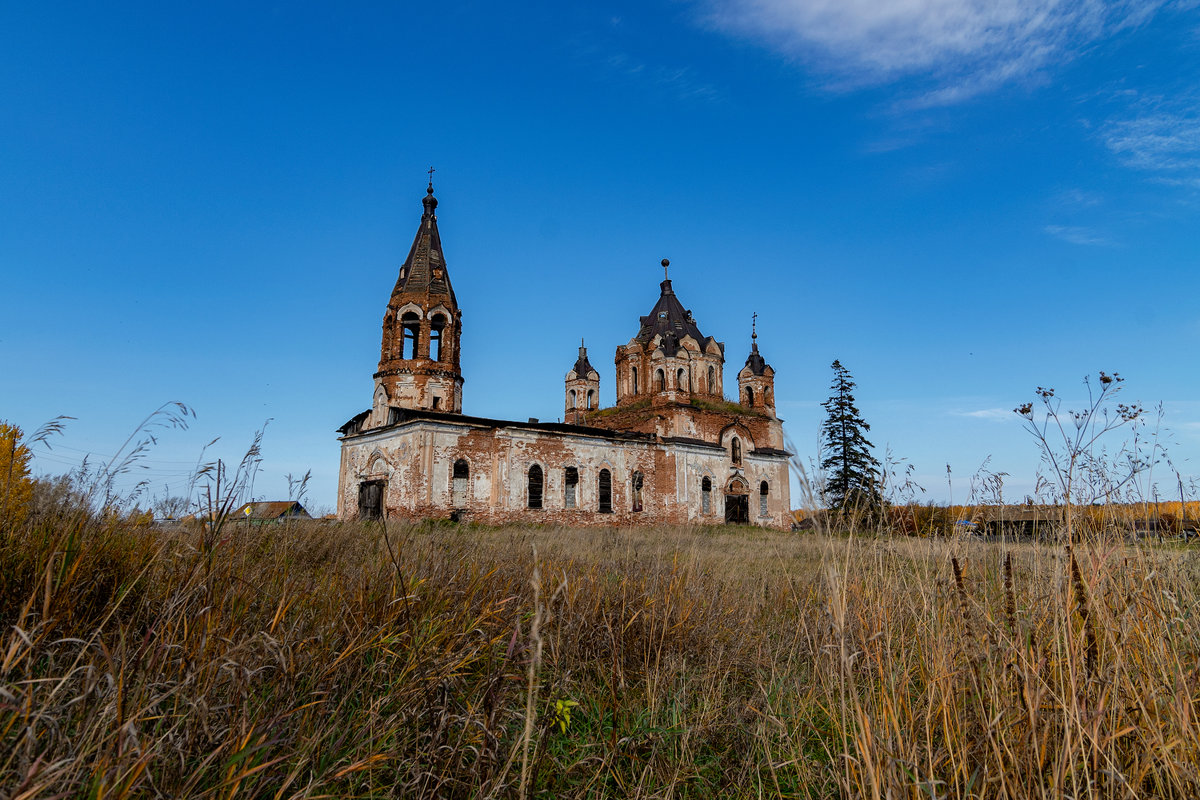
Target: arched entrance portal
(737, 502)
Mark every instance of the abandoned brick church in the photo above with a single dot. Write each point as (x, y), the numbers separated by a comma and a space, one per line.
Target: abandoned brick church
(672, 449)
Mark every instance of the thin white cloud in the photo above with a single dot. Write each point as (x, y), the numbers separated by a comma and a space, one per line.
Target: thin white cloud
(679, 81)
(989, 414)
(960, 47)
(1077, 235)
(1159, 136)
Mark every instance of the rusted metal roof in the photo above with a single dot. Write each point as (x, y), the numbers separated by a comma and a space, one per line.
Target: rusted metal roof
(424, 270)
(271, 509)
(672, 322)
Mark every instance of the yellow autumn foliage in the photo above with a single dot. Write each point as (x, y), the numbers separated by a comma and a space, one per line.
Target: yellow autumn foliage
(16, 487)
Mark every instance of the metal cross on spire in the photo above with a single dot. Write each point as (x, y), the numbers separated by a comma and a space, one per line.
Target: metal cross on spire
(431, 171)
(665, 263)
(754, 326)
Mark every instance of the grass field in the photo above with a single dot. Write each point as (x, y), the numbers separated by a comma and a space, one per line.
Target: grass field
(356, 660)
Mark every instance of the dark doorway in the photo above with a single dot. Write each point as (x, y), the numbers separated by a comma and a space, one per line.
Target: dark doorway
(737, 509)
(370, 500)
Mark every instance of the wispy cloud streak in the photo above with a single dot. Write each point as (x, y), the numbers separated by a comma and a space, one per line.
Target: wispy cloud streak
(960, 47)
(989, 414)
(1159, 136)
(1077, 235)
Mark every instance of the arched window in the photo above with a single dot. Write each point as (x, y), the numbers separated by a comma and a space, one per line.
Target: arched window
(535, 486)
(572, 401)
(436, 326)
(681, 379)
(636, 491)
(570, 486)
(706, 495)
(749, 396)
(604, 484)
(411, 324)
(712, 381)
(763, 490)
(659, 380)
(459, 480)
(591, 399)
(735, 450)
(633, 373)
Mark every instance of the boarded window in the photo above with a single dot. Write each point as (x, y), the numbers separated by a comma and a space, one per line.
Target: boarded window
(735, 449)
(706, 496)
(411, 324)
(763, 490)
(712, 381)
(459, 482)
(636, 490)
(571, 400)
(605, 487)
(570, 486)
(535, 486)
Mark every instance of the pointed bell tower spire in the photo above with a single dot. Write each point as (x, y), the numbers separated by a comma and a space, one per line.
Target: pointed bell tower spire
(419, 356)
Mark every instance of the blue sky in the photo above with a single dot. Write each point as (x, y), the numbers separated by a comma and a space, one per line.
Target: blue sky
(959, 199)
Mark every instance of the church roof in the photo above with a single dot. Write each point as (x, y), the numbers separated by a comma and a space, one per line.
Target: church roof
(668, 318)
(424, 271)
(582, 365)
(755, 361)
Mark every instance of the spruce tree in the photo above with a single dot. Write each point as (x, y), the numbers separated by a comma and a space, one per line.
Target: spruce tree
(851, 472)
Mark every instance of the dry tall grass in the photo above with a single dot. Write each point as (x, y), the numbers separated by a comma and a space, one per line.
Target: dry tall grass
(334, 660)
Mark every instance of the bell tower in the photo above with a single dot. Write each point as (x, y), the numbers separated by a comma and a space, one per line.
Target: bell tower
(756, 380)
(419, 356)
(582, 389)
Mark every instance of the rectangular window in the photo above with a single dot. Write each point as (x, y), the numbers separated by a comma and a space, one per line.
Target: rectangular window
(571, 485)
(636, 493)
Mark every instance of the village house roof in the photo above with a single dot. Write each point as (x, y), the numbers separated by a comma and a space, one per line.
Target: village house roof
(271, 510)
